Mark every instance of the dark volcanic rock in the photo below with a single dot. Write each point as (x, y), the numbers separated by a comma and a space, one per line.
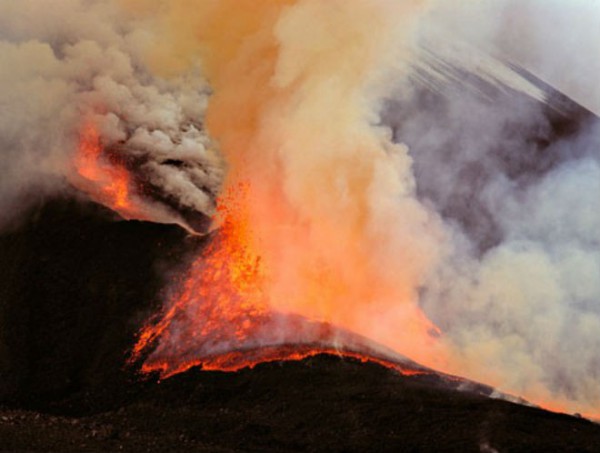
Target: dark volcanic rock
(74, 287)
(320, 404)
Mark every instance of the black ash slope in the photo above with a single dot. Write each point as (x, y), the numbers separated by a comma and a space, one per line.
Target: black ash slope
(75, 286)
(319, 404)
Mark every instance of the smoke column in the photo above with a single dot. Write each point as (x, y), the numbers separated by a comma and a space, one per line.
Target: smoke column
(297, 92)
(333, 205)
(351, 225)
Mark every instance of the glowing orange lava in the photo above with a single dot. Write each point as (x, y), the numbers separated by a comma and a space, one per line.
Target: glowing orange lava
(220, 305)
(307, 252)
(221, 318)
(106, 182)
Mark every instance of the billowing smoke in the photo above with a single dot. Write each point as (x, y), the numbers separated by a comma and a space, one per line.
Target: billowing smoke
(66, 63)
(519, 299)
(297, 91)
(392, 160)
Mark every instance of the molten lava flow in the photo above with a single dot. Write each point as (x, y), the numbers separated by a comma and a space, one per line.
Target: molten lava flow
(221, 306)
(237, 360)
(106, 182)
(222, 319)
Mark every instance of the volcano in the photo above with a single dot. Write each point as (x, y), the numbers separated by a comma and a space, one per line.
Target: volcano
(78, 283)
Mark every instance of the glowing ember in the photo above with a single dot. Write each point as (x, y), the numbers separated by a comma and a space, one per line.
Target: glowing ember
(236, 360)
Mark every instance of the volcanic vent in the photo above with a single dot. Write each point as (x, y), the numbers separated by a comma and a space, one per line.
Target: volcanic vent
(362, 181)
(330, 233)
(294, 188)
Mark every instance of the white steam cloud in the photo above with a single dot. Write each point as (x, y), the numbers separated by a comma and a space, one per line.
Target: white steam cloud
(520, 297)
(557, 40)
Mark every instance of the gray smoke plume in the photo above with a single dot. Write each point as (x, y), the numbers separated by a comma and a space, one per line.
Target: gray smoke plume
(68, 60)
(513, 168)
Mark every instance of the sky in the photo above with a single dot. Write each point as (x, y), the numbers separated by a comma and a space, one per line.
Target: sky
(557, 40)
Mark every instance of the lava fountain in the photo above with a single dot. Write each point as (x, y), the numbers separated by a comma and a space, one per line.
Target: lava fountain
(322, 240)
(221, 317)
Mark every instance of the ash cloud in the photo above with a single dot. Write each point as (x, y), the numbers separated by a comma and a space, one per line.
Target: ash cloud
(66, 61)
(488, 217)
(517, 182)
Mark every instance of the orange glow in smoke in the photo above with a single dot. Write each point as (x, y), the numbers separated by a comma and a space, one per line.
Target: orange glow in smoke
(298, 258)
(106, 182)
(311, 255)
(223, 317)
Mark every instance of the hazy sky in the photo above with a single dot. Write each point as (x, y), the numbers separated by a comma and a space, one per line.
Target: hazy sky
(557, 40)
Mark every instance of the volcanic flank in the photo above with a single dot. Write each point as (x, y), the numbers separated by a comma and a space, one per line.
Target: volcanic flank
(248, 211)
(327, 216)
(76, 286)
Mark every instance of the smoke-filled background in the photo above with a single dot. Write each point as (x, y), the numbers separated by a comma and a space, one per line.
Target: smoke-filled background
(314, 102)
(520, 296)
